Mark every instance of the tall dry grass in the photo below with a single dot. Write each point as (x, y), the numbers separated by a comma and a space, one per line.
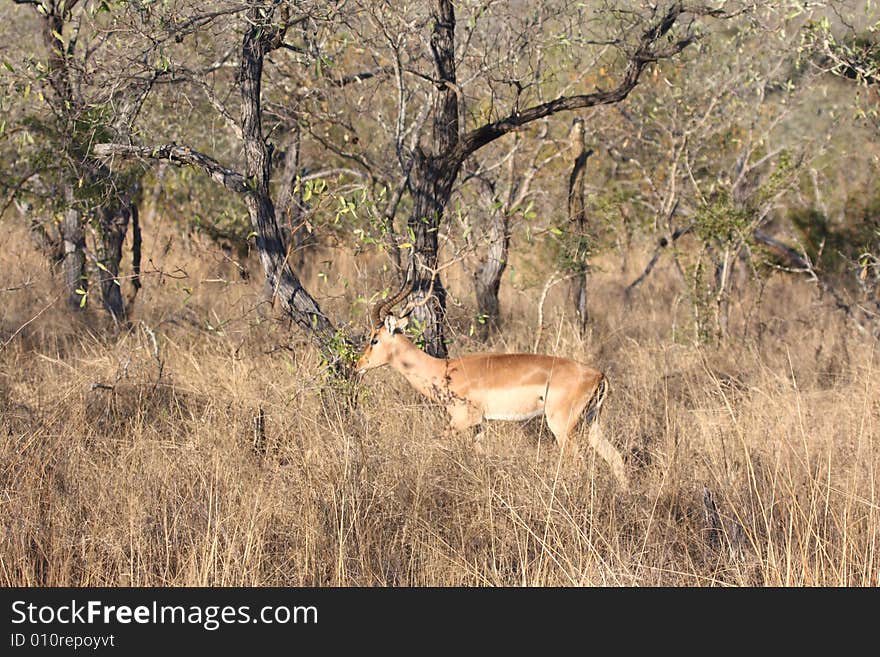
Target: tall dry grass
(204, 446)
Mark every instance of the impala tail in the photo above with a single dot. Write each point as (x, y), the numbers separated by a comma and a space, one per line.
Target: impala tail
(595, 404)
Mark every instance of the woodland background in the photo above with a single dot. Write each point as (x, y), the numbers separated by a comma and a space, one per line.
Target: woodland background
(200, 203)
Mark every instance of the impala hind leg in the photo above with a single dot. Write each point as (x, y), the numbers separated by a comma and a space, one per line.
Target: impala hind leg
(561, 425)
(597, 441)
(609, 453)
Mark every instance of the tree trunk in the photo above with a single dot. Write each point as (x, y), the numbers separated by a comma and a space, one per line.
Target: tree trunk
(430, 183)
(119, 210)
(111, 236)
(136, 243)
(73, 262)
(723, 284)
(577, 216)
(263, 36)
(433, 174)
(487, 279)
(290, 203)
(284, 284)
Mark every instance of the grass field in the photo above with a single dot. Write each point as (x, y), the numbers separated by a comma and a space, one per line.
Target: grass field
(204, 447)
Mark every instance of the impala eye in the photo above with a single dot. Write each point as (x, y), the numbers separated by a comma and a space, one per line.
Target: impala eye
(374, 342)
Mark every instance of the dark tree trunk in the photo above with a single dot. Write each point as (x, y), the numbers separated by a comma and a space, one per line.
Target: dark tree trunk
(113, 226)
(577, 216)
(118, 211)
(281, 280)
(262, 36)
(431, 182)
(135, 256)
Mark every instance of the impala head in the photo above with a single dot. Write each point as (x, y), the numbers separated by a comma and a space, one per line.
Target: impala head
(385, 331)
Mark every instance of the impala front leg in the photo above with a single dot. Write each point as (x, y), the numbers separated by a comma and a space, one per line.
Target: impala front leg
(462, 416)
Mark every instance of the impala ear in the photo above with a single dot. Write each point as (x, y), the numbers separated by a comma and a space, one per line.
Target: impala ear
(395, 324)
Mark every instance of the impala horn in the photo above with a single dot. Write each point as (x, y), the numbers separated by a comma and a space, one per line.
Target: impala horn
(382, 308)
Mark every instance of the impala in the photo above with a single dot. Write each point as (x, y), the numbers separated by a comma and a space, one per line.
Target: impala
(493, 386)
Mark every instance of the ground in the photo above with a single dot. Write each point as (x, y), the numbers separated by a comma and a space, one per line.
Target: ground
(205, 446)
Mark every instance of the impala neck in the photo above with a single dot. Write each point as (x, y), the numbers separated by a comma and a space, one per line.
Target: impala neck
(424, 372)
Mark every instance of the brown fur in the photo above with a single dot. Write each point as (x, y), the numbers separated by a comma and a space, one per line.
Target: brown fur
(477, 387)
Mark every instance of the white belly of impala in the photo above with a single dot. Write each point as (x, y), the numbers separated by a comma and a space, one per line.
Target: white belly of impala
(513, 417)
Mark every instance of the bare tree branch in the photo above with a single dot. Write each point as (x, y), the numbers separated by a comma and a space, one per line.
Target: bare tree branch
(179, 155)
(643, 55)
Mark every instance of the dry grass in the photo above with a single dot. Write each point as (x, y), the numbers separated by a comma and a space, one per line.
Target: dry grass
(165, 478)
